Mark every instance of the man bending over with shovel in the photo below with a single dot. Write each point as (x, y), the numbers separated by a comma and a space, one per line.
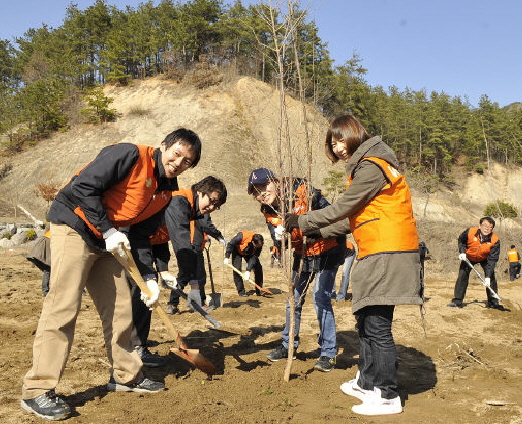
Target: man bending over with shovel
(124, 185)
(481, 246)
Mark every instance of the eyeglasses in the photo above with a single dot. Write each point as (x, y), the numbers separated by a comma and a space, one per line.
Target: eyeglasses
(214, 202)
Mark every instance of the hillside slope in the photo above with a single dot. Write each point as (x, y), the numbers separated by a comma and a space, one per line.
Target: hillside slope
(239, 126)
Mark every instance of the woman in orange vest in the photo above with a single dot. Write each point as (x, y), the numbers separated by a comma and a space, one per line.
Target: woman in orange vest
(376, 207)
(480, 246)
(246, 245)
(514, 263)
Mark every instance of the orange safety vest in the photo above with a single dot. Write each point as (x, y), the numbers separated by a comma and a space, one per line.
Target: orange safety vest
(477, 251)
(386, 224)
(133, 199)
(300, 207)
(247, 238)
(512, 255)
(161, 236)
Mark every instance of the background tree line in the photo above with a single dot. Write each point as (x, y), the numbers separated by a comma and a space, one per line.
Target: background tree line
(45, 73)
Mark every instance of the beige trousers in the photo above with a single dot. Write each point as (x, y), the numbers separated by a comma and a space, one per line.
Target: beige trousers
(75, 266)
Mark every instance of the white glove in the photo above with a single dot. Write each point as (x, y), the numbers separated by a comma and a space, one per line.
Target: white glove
(278, 232)
(223, 241)
(462, 256)
(169, 279)
(151, 300)
(194, 295)
(487, 280)
(226, 261)
(114, 242)
(246, 276)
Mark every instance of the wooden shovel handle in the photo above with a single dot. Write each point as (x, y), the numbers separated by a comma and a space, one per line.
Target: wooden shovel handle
(250, 281)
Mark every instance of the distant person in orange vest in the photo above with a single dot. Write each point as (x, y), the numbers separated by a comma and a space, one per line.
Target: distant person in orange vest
(320, 259)
(376, 207)
(40, 256)
(480, 246)
(514, 263)
(342, 294)
(246, 245)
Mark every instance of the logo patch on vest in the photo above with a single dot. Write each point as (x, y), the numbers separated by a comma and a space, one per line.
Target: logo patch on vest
(148, 182)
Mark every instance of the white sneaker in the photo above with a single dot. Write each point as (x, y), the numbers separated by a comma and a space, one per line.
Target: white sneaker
(374, 404)
(351, 388)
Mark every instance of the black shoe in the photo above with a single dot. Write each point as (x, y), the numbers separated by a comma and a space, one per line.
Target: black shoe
(278, 353)
(494, 306)
(47, 406)
(325, 364)
(454, 305)
(172, 309)
(143, 386)
(243, 294)
(149, 359)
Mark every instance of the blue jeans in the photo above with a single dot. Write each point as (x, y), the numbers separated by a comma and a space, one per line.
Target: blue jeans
(324, 282)
(377, 352)
(345, 281)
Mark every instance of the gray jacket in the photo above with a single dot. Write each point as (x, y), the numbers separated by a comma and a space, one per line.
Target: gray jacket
(383, 279)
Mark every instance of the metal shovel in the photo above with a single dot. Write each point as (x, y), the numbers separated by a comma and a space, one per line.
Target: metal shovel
(191, 355)
(215, 299)
(495, 295)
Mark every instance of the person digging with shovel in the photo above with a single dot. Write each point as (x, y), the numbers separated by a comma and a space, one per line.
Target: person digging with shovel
(186, 222)
(124, 185)
(480, 246)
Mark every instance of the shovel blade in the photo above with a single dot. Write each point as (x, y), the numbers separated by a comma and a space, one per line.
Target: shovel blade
(215, 300)
(195, 358)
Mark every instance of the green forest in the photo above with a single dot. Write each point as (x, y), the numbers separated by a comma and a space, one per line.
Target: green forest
(50, 76)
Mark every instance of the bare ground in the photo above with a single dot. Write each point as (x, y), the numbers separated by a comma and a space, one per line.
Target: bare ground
(466, 369)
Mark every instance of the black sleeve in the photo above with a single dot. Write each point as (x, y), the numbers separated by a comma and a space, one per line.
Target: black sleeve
(161, 254)
(236, 241)
(177, 217)
(463, 241)
(111, 166)
(207, 226)
(494, 255)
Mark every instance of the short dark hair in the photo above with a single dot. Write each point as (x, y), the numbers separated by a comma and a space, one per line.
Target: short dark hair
(489, 219)
(512, 246)
(258, 239)
(346, 128)
(212, 184)
(185, 137)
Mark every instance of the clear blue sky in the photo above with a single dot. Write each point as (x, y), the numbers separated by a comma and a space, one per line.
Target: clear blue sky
(460, 47)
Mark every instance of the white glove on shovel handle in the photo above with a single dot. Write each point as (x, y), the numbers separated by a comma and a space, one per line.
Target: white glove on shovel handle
(115, 241)
(154, 290)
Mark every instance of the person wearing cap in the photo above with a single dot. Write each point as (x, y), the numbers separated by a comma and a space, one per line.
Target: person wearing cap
(514, 263)
(246, 245)
(320, 258)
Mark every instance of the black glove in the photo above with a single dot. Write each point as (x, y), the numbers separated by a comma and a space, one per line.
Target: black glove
(291, 222)
(313, 237)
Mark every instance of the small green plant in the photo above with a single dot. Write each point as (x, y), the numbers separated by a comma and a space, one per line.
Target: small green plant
(7, 235)
(30, 235)
(98, 109)
(266, 392)
(501, 210)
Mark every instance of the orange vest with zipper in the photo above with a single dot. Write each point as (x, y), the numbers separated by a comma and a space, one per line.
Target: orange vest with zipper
(477, 251)
(386, 224)
(133, 199)
(512, 255)
(187, 192)
(300, 207)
